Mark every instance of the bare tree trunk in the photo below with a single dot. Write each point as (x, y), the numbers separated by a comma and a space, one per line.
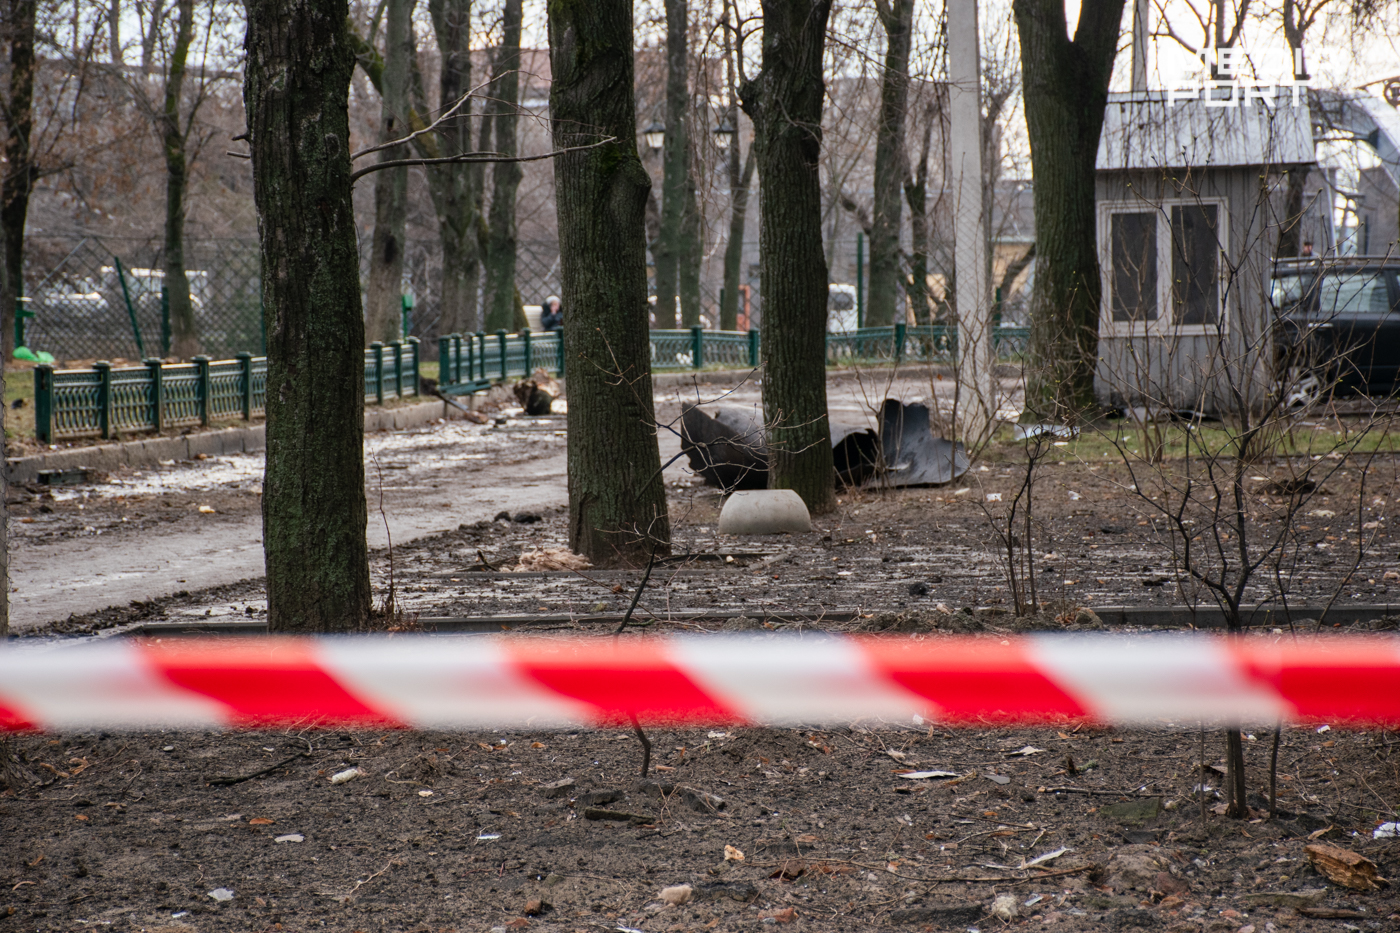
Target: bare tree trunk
(384, 296)
(505, 177)
(617, 503)
(20, 170)
(1065, 89)
(897, 17)
(451, 186)
(689, 255)
(739, 182)
(296, 91)
(785, 104)
(916, 193)
(675, 164)
(184, 330)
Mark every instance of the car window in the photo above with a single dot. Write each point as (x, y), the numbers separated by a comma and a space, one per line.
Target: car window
(841, 301)
(1345, 293)
(1289, 288)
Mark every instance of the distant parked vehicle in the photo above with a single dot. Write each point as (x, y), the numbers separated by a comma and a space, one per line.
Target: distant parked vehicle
(1338, 326)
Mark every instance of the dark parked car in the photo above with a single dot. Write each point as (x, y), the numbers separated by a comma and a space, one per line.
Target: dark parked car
(1339, 325)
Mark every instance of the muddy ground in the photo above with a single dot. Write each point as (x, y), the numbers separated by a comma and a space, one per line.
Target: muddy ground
(458, 831)
(464, 833)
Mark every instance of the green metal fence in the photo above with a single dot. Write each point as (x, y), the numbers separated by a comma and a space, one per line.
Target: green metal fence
(106, 401)
(472, 362)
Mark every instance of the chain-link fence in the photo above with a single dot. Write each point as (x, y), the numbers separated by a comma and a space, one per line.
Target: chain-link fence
(97, 297)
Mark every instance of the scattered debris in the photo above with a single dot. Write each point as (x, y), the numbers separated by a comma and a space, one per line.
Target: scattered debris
(1025, 752)
(1344, 867)
(731, 854)
(618, 816)
(1046, 858)
(1303, 898)
(551, 558)
(560, 788)
(536, 906)
(349, 774)
(537, 394)
(221, 894)
(677, 894)
(913, 456)
(786, 915)
(925, 775)
(1005, 908)
(291, 837)
(1386, 831)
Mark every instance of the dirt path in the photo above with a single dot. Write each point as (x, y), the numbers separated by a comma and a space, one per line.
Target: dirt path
(142, 534)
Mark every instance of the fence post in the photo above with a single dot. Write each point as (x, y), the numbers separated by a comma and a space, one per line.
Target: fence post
(753, 347)
(377, 349)
(104, 397)
(43, 403)
(480, 354)
(445, 361)
(899, 332)
(560, 339)
(157, 393)
(205, 388)
(457, 358)
(860, 280)
(130, 311)
(529, 357)
(397, 348)
(22, 313)
(697, 347)
(245, 371)
(415, 353)
(501, 342)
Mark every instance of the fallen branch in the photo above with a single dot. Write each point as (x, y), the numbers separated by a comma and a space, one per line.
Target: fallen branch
(939, 879)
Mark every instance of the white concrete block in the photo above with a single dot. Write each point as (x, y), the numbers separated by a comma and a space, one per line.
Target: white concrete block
(764, 512)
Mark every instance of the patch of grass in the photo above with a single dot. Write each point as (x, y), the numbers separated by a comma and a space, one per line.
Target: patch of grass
(19, 387)
(1101, 443)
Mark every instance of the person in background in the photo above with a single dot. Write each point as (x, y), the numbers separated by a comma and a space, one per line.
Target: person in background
(1307, 249)
(553, 316)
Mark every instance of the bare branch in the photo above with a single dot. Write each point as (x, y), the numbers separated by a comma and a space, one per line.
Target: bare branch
(475, 157)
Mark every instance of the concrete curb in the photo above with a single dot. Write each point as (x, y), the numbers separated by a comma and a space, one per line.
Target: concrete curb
(108, 458)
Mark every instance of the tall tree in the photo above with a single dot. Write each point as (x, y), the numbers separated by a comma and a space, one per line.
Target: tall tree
(785, 103)
(897, 18)
(505, 176)
(675, 164)
(453, 186)
(296, 91)
(384, 295)
(174, 137)
(21, 170)
(617, 503)
(740, 178)
(1065, 89)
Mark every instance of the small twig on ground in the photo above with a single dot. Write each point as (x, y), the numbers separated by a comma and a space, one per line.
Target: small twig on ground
(1273, 772)
(484, 562)
(636, 598)
(227, 780)
(1100, 793)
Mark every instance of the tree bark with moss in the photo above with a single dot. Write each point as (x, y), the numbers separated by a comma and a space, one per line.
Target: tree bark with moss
(296, 91)
(617, 503)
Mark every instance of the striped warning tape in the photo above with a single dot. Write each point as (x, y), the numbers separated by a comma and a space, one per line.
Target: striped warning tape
(511, 682)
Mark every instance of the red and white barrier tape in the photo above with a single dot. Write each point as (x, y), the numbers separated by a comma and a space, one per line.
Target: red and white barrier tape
(503, 682)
